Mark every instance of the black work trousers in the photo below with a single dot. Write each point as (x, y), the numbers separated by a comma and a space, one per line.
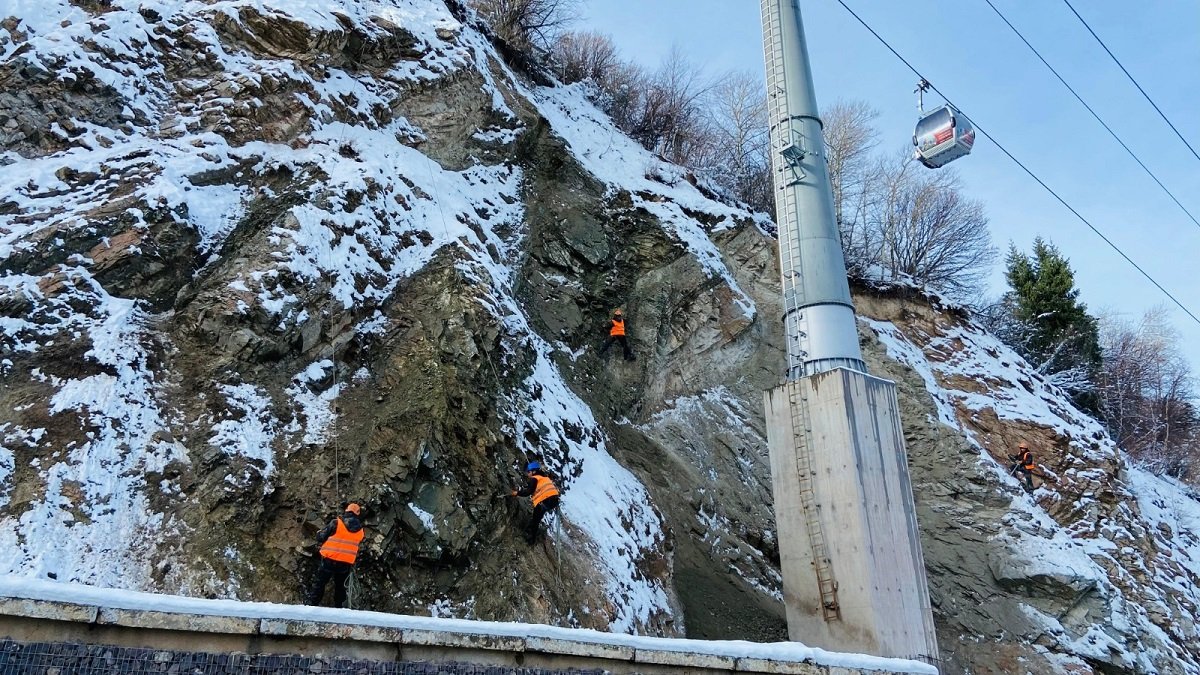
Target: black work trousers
(1021, 471)
(339, 572)
(624, 345)
(535, 521)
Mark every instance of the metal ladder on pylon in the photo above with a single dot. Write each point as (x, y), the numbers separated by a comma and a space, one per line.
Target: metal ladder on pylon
(787, 212)
(830, 609)
(788, 219)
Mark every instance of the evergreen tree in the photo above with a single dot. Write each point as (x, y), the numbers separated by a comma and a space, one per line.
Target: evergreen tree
(1055, 331)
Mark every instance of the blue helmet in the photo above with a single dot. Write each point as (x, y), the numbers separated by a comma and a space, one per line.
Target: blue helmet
(533, 466)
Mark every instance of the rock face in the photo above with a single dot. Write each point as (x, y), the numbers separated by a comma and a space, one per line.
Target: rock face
(1081, 575)
(260, 257)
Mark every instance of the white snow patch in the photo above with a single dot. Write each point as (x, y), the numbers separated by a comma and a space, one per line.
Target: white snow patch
(316, 409)
(599, 495)
(7, 464)
(94, 493)
(497, 135)
(249, 432)
(425, 517)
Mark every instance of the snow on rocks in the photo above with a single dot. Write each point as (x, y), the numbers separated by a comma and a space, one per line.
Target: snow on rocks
(654, 185)
(1081, 541)
(248, 433)
(1013, 391)
(601, 497)
(93, 492)
(12, 434)
(376, 211)
(278, 123)
(315, 407)
(186, 163)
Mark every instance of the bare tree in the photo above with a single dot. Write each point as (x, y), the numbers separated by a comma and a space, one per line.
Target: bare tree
(586, 56)
(1145, 391)
(914, 223)
(664, 110)
(621, 95)
(942, 238)
(674, 108)
(527, 25)
(850, 139)
(734, 152)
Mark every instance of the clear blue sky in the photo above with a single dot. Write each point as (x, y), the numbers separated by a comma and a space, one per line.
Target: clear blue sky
(965, 49)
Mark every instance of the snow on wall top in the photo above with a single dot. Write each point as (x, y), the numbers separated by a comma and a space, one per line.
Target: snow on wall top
(19, 587)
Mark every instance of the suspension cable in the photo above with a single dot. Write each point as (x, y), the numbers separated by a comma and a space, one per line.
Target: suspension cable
(1093, 112)
(1026, 169)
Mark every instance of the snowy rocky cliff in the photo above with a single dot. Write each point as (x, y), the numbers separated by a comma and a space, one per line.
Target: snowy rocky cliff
(258, 257)
(1096, 571)
(261, 257)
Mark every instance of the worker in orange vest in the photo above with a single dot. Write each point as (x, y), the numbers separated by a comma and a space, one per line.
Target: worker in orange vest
(339, 542)
(544, 495)
(1023, 464)
(616, 333)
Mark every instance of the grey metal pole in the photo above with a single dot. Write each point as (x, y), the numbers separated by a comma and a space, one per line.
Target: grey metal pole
(818, 315)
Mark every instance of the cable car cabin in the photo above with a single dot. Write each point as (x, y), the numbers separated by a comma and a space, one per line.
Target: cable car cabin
(942, 136)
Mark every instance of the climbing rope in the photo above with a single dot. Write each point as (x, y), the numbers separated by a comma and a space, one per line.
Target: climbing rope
(337, 465)
(353, 590)
(437, 198)
(558, 547)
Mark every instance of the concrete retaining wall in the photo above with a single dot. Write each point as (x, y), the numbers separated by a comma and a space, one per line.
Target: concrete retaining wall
(41, 621)
(58, 658)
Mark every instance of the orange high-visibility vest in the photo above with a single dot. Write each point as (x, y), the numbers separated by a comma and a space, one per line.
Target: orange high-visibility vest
(618, 327)
(342, 545)
(545, 489)
(1027, 460)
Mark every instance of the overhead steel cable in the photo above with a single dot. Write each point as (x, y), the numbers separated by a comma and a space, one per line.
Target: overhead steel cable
(1131, 79)
(1024, 168)
(1093, 112)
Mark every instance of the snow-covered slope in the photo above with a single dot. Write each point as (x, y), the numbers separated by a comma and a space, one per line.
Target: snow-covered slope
(1095, 569)
(212, 219)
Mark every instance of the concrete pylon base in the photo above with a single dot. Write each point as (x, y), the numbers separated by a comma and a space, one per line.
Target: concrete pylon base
(853, 573)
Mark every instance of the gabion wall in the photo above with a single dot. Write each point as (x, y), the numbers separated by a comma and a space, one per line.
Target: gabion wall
(57, 658)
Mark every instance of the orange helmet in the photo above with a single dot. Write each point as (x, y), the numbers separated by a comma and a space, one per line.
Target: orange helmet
(353, 508)
(1023, 445)
(617, 312)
